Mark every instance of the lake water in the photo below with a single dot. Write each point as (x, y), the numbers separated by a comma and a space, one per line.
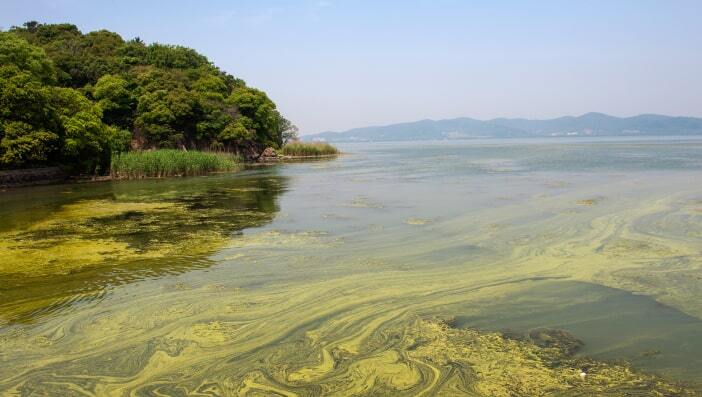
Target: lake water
(293, 279)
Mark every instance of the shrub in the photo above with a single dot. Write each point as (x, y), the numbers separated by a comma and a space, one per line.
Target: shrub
(169, 162)
(309, 149)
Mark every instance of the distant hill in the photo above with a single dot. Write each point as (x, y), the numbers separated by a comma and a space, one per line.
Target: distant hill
(590, 124)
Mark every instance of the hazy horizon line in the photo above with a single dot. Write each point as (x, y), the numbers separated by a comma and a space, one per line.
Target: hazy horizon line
(378, 125)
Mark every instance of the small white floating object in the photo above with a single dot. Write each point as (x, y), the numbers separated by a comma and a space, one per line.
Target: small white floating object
(582, 375)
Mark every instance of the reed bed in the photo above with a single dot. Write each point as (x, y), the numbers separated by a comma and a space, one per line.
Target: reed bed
(168, 162)
(309, 149)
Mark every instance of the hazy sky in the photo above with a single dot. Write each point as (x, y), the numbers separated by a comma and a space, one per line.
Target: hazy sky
(334, 65)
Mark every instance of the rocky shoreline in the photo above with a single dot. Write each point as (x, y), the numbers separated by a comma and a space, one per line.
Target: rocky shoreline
(32, 176)
(270, 155)
(53, 175)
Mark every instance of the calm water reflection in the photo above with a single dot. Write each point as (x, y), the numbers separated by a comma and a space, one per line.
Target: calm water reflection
(208, 211)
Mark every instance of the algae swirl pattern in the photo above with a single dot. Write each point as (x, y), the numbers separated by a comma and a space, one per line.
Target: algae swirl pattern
(272, 284)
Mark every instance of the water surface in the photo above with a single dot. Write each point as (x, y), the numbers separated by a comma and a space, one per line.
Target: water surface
(291, 279)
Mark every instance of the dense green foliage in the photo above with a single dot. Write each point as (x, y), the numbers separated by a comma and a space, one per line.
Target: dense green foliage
(75, 99)
(308, 149)
(170, 162)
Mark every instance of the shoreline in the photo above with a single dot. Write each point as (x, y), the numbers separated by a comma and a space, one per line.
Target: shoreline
(13, 179)
(284, 158)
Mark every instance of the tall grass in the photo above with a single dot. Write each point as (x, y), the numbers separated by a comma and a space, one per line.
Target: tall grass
(169, 162)
(309, 149)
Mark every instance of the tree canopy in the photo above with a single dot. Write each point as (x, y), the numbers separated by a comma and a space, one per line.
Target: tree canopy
(74, 99)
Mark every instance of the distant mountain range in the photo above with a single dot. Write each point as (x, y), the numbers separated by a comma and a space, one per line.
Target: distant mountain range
(590, 124)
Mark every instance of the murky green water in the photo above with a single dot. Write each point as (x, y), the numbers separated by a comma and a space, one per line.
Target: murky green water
(305, 278)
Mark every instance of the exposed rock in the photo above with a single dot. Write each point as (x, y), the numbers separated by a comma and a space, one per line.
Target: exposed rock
(138, 141)
(33, 176)
(269, 152)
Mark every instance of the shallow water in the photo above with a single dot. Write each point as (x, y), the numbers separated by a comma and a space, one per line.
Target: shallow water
(290, 279)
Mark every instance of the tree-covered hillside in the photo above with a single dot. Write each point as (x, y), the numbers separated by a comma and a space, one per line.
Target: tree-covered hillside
(74, 99)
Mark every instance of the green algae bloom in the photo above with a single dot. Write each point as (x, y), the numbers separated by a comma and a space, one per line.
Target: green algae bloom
(398, 271)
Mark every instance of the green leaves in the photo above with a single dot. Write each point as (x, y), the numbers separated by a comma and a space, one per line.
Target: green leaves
(22, 144)
(73, 98)
(17, 52)
(166, 115)
(112, 92)
(115, 99)
(43, 124)
(170, 56)
(260, 110)
(79, 59)
(84, 133)
(239, 130)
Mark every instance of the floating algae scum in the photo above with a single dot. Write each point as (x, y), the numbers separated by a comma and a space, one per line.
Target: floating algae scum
(494, 268)
(97, 236)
